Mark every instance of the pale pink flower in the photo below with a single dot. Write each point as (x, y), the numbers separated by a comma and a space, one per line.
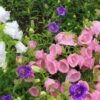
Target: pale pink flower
(98, 86)
(65, 39)
(48, 83)
(41, 63)
(88, 96)
(40, 54)
(86, 52)
(60, 36)
(84, 83)
(96, 95)
(94, 45)
(97, 66)
(85, 38)
(97, 48)
(31, 63)
(50, 57)
(34, 91)
(52, 66)
(71, 98)
(96, 28)
(88, 63)
(56, 86)
(73, 59)
(81, 60)
(63, 66)
(18, 58)
(54, 83)
(74, 75)
(55, 49)
(53, 93)
(32, 44)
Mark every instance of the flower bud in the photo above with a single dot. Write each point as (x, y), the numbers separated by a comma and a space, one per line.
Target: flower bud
(18, 98)
(37, 69)
(46, 6)
(42, 93)
(36, 80)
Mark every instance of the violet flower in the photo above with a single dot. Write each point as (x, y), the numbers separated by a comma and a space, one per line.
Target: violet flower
(61, 11)
(78, 91)
(8, 97)
(24, 71)
(53, 27)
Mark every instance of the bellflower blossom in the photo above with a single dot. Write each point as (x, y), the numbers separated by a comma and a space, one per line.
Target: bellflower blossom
(24, 71)
(2, 46)
(61, 11)
(95, 28)
(78, 91)
(65, 39)
(4, 15)
(20, 47)
(12, 30)
(53, 27)
(34, 91)
(32, 44)
(8, 97)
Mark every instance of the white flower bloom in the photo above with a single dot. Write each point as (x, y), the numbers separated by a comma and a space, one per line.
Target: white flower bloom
(2, 54)
(2, 46)
(4, 15)
(11, 29)
(20, 47)
(19, 35)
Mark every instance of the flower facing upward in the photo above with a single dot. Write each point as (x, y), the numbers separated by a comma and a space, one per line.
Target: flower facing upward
(8, 97)
(34, 91)
(78, 91)
(61, 11)
(24, 72)
(53, 27)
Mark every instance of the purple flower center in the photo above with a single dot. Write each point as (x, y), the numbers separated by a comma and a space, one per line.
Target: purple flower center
(78, 91)
(60, 11)
(22, 71)
(52, 27)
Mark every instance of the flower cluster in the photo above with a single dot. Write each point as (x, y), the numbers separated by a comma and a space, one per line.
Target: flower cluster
(53, 27)
(12, 29)
(49, 64)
